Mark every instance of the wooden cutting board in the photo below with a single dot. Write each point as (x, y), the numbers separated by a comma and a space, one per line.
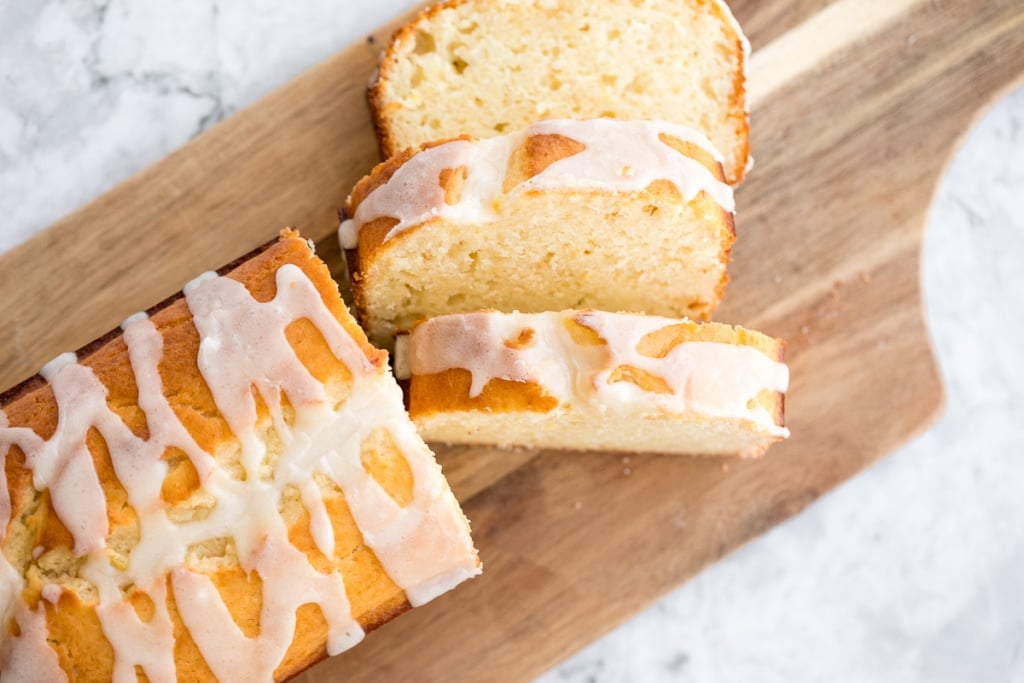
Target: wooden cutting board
(856, 106)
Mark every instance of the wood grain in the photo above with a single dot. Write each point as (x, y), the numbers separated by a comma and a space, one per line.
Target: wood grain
(289, 159)
(850, 140)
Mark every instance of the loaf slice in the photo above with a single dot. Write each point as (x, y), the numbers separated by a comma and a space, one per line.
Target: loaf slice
(620, 215)
(486, 67)
(226, 489)
(589, 380)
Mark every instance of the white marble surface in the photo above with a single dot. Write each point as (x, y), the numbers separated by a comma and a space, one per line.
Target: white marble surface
(913, 571)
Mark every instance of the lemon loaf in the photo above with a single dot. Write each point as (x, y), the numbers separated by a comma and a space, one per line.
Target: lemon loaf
(590, 380)
(486, 67)
(226, 489)
(618, 215)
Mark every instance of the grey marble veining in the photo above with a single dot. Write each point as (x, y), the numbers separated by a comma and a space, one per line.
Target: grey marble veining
(92, 91)
(911, 571)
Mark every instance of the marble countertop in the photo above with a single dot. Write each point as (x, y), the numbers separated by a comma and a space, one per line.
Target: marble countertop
(911, 571)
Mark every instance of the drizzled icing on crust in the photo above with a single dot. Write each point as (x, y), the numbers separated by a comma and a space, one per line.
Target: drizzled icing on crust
(28, 652)
(423, 546)
(705, 378)
(28, 657)
(618, 156)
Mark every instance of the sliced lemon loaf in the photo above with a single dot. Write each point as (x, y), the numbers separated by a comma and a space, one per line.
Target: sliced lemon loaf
(227, 489)
(618, 215)
(486, 67)
(589, 380)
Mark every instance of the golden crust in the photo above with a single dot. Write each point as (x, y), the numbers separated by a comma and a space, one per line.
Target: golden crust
(72, 622)
(449, 391)
(537, 153)
(374, 93)
(659, 343)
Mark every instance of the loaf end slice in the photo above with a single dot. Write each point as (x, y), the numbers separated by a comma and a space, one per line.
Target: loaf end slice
(487, 67)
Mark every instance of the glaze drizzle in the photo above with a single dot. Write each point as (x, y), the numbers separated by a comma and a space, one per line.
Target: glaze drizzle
(707, 378)
(619, 156)
(423, 546)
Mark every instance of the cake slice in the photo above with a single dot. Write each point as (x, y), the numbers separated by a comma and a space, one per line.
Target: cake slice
(619, 215)
(486, 67)
(590, 380)
(228, 489)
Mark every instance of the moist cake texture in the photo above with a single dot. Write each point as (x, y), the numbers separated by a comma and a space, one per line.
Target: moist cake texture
(617, 215)
(488, 67)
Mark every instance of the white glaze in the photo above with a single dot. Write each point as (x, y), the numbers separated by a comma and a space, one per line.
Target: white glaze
(288, 582)
(11, 582)
(487, 344)
(619, 156)
(137, 643)
(62, 463)
(706, 378)
(424, 546)
(51, 593)
(11, 585)
(28, 658)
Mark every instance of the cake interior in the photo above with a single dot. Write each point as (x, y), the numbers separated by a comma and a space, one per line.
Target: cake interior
(574, 430)
(645, 252)
(487, 71)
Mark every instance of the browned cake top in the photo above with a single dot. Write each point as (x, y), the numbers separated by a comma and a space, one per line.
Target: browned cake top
(460, 180)
(598, 361)
(229, 488)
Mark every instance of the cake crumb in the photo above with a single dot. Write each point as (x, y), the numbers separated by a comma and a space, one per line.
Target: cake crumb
(625, 460)
(577, 505)
(725, 467)
(777, 279)
(865, 277)
(804, 329)
(626, 471)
